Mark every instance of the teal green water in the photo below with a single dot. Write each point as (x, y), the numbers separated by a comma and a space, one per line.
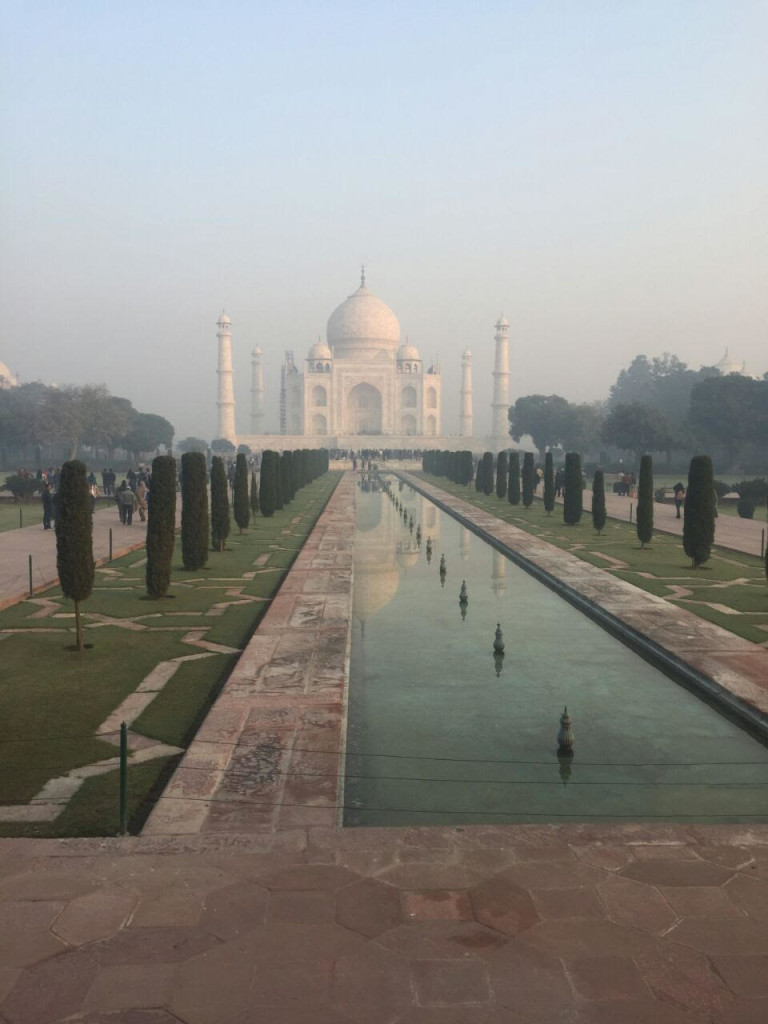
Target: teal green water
(436, 737)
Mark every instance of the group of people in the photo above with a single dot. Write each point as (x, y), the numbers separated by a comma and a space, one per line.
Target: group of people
(133, 495)
(130, 497)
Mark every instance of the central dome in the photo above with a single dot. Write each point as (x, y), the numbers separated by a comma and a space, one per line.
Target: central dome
(363, 324)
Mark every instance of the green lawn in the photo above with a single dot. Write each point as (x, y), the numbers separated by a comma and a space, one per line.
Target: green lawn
(31, 514)
(730, 589)
(53, 700)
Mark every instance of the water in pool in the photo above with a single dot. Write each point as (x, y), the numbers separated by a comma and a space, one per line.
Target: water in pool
(440, 732)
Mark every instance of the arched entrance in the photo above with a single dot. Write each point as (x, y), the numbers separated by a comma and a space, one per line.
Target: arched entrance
(364, 410)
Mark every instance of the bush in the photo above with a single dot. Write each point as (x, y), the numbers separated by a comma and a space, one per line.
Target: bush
(529, 473)
(572, 501)
(161, 525)
(752, 490)
(501, 475)
(645, 501)
(194, 510)
(23, 488)
(598, 501)
(513, 481)
(267, 486)
(549, 483)
(74, 538)
(699, 514)
(219, 504)
(241, 506)
(487, 473)
(660, 495)
(722, 488)
(746, 508)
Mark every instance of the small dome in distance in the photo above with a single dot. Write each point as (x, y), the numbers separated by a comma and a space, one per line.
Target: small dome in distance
(320, 351)
(407, 351)
(224, 319)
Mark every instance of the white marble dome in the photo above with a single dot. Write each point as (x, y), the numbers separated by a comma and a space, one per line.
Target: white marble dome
(320, 351)
(729, 365)
(407, 351)
(7, 379)
(363, 322)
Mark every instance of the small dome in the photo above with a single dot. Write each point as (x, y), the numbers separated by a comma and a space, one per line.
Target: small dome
(728, 365)
(502, 321)
(407, 351)
(7, 379)
(257, 351)
(320, 351)
(224, 319)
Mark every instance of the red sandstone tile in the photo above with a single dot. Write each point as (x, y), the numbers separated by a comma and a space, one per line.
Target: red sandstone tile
(503, 905)
(563, 874)
(24, 935)
(744, 975)
(152, 945)
(373, 987)
(130, 987)
(632, 903)
(606, 977)
(426, 940)
(701, 901)
(303, 907)
(555, 904)
(229, 912)
(609, 858)
(450, 982)
(722, 935)
(462, 1015)
(683, 978)
(750, 894)
(437, 904)
(369, 907)
(580, 938)
(308, 876)
(743, 1011)
(531, 983)
(51, 990)
(672, 872)
(636, 1011)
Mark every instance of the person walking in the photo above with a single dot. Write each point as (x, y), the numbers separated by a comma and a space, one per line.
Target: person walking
(141, 498)
(47, 499)
(679, 491)
(124, 497)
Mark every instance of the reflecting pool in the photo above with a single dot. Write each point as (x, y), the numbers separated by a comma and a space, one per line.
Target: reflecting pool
(441, 732)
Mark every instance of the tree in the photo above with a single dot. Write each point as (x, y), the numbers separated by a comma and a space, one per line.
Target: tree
(286, 478)
(147, 432)
(487, 473)
(267, 485)
(223, 446)
(74, 539)
(479, 476)
(219, 504)
(192, 444)
(194, 511)
(549, 483)
(528, 475)
(240, 503)
(572, 501)
(254, 495)
(730, 412)
(663, 384)
(645, 501)
(598, 501)
(513, 482)
(161, 525)
(699, 511)
(637, 428)
(542, 417)
(501, 475)
(466, 468)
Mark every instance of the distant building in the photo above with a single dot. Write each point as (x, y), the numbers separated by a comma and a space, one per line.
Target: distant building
(7, 379)
(728, 365)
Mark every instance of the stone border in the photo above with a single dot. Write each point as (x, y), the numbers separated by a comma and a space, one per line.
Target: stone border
(268, 755)
(718, 666)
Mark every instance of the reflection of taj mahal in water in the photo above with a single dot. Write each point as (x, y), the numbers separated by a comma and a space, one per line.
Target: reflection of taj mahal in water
(363, 387)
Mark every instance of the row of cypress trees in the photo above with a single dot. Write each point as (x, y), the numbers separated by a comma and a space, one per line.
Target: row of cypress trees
(283, 475)
(455, 466)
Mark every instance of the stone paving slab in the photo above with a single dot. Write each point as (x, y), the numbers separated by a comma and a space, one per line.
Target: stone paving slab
(733, 664)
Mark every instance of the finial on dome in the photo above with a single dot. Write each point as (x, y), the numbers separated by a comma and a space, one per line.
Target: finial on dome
(362, 276)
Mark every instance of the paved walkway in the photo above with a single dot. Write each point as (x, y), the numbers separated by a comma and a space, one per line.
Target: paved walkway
(17, 545)
(732, 532)
(286, 921)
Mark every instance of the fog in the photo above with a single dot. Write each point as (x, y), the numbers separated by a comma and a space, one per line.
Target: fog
(595, 171)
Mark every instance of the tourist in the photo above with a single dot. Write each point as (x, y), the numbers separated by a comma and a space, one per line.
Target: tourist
(679, 497)
(47, 499)
(141, 497)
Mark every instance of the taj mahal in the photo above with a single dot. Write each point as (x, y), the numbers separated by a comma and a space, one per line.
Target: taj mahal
(363, 387)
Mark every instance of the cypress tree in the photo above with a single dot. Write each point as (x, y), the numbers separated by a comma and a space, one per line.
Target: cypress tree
(598, 501)
(488, 473)
(549, 483)
(645, 501)
(501, 475)
(254, 495)
(699, 511)
(240, 505)
(467, 468)
(74, 538)
(219, 504)
(572, 502)
(161, 525)
(513, 474)
(296, 483)
(267, 493)
(194, 510)
(479, 476)
(278, 481)
(285, 478)
(528, 475)
(288, 475)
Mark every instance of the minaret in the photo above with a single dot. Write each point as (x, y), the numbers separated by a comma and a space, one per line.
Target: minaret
(500, 423)
(226, 402)
(257, 393)
(465, 415)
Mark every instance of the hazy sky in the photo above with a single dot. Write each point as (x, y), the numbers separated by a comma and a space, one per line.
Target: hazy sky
(598, 171)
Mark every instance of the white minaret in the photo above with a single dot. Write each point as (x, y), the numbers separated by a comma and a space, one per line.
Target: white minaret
(465, 415)
(257, 393)
(226, 402)
(500, 424)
